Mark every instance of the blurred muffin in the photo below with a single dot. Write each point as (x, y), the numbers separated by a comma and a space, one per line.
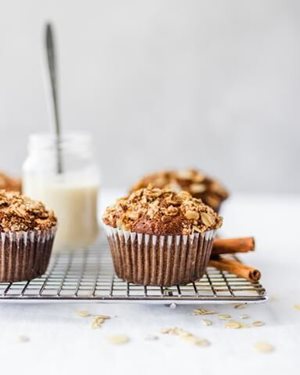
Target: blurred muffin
(8, 183)
(193, 181)
(27, 233)
(160, 237)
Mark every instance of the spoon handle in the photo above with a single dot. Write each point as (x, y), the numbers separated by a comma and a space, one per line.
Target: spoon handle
(51, 59)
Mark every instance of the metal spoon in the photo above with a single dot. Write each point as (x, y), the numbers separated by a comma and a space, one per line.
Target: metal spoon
(50, 53)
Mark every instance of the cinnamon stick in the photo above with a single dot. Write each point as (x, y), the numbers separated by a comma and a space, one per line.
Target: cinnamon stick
(235, 267)
(233, 245)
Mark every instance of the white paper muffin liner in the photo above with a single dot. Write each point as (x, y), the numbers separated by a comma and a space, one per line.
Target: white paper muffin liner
(25, 255)
(159, 260)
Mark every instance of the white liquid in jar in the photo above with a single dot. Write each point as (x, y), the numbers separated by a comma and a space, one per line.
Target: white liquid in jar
(75, 205)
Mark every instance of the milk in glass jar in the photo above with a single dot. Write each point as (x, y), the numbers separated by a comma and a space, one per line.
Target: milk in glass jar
(71, 191)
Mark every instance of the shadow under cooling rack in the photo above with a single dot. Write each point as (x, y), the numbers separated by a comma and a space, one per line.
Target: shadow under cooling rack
(88, 275)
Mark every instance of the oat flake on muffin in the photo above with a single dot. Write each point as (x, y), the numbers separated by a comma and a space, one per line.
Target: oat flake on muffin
(161, 212)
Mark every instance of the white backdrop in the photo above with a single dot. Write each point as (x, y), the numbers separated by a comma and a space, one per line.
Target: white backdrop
(213, 84)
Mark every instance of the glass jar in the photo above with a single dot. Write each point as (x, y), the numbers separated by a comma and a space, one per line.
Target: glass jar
(72, 191)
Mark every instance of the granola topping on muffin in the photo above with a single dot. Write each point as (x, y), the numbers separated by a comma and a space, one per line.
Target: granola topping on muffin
(161, 212)
(20, 213)
(195, 182)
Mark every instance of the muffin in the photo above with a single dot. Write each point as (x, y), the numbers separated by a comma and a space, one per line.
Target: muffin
(27, 231)
(160, 237)
(9, 183)
(193, 181)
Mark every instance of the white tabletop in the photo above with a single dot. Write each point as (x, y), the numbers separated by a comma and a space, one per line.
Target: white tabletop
(60, 341)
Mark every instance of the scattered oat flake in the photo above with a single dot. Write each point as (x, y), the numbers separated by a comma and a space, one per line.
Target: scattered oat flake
(23, 338)
(98, 320)
(207, 322)
(224, 316)
(118, 339)
(105, 317)
(186, 336)
(258, 323)
(196, 340)
(171, 331)
(233, 324)
(245, 316)
(264, 347)
(83, 313)
(203, 312)
(297, 307)
(240, 306)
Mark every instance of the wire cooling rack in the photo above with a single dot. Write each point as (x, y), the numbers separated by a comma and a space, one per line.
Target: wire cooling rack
(87, 276)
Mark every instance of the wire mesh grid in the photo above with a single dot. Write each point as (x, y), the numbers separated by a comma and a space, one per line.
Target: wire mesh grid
(87, 275)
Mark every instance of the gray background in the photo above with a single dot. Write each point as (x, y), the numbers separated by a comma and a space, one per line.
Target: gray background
(212, 84)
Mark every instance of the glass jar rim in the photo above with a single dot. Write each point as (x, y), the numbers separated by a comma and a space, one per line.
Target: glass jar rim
(44, 140)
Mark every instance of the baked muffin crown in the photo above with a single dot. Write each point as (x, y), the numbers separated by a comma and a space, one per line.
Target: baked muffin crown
(198, 184)
(161, 212)
(20, 213)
